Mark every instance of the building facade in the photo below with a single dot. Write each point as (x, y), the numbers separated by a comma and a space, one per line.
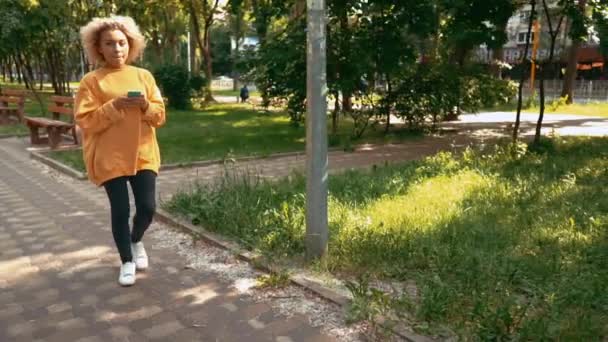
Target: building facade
(517, 29)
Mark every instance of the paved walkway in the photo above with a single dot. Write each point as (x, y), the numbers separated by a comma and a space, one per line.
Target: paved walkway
(58, 270)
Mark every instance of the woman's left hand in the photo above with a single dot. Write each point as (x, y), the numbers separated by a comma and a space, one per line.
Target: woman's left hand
(141, 102)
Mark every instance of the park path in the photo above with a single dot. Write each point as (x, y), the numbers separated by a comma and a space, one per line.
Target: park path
(58, 264)
(58, 270)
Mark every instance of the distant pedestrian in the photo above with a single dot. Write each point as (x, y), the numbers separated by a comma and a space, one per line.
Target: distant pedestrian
(244, 94)
(118, 107)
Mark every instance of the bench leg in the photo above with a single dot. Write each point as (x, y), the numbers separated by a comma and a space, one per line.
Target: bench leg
(4, 118)
(75, 135)
(15, 117)
(35, 135)
(55, 138)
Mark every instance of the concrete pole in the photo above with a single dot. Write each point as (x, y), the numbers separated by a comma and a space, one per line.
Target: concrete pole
(316, 133)
(189, 55)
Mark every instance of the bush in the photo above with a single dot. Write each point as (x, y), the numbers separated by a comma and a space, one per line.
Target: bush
(435, 92)
(174, 81)
(197, 82)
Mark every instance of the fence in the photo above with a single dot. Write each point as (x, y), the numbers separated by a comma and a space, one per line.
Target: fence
(585, 91)
(226, 84)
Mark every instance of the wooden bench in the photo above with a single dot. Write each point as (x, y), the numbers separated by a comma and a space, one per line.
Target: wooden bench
(12, 104)
(55, 128)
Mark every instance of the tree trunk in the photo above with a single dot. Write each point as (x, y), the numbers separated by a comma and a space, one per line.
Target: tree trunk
(553, 33)
(51, 69)
(17, 69)
(204, 44)
(542, 104)
(347, 103)
(176, 51)
(523, 74)
(388, 109)
(298, 9)
(30, 71)
(40, 75)
(157, 48)
(25, 73)
(262, 19)
(498, 57)
(11, 75)
(195, 64)
(3, 64)
(235, 53)
(570, 76)
(208, 67)
(334, 114)
(60, 89)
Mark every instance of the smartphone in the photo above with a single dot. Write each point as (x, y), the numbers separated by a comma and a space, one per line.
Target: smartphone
(134, 93)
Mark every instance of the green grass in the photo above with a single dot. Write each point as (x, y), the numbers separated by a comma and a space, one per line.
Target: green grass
(591, 109)
(234, 130)
(599, 109)
(72, 158)
(234, 93)
(225, 130)
(503, 244)
(13, 130)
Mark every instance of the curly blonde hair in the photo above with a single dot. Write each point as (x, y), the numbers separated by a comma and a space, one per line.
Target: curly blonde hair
(90, 35)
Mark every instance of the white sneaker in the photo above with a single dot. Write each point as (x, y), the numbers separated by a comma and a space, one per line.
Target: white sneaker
(139, 255)
(127, 274)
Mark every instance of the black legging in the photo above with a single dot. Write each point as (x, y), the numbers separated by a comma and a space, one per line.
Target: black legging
(143, 185)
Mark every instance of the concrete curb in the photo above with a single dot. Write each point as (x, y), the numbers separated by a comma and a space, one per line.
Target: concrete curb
(65, 169)
(251, 257)
(255, 260)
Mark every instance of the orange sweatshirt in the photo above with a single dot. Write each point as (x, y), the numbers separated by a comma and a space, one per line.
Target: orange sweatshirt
(118, 142)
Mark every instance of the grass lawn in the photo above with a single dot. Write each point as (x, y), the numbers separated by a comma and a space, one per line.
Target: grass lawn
(17, 129)
(502, 244)
(599, 109)
(234, 93)
(235, 130)
(72, 158)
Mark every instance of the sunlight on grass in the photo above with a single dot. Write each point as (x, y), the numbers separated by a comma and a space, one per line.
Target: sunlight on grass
(501, 243)
(599, 109)
(444, 194)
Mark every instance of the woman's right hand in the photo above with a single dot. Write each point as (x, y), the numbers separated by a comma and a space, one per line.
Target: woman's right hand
(124, 102)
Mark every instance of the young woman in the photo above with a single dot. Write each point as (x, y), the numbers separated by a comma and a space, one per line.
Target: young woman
(118, 107)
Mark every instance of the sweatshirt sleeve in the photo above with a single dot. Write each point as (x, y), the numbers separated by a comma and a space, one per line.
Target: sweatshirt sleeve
(91, 114)
(155, 114)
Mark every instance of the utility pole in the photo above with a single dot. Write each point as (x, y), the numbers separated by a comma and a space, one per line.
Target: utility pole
(189, 55)
(316, 133)
(535, 43)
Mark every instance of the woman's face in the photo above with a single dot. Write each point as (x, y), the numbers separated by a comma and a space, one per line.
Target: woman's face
(114, 47)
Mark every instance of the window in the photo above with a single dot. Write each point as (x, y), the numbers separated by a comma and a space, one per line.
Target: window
(521, 38)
